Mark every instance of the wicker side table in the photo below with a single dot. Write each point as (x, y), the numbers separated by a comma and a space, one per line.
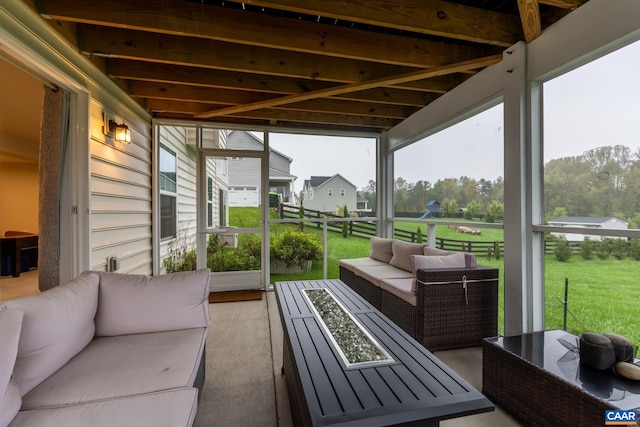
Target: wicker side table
(540, 381)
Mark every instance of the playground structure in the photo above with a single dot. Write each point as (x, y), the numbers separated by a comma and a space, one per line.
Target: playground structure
(433, 210)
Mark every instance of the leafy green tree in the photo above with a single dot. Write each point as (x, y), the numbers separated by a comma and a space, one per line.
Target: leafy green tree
(495, 211)
(562, 251)
(419, 237)
(473, 209)
(449, 207)
(557, 212)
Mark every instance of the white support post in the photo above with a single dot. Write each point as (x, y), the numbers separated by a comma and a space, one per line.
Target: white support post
(384, 184)
(431, 235)
(523, 313)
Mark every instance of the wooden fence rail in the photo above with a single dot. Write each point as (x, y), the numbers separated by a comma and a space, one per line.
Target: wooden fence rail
(368, 229)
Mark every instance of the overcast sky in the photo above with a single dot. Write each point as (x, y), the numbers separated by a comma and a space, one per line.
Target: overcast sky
(595, 105)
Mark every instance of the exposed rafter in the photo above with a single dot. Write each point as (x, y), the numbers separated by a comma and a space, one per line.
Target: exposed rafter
(354, 87)
(337, 65)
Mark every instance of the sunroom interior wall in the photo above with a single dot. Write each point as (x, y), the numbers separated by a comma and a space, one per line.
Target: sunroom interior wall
(120, 186)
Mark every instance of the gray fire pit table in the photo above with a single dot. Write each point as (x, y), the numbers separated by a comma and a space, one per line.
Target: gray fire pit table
(406, 384)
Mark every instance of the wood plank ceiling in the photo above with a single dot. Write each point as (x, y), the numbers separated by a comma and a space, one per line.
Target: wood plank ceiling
(328, 65)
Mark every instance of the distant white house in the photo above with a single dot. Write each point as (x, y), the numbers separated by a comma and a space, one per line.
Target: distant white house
(329, 194)
(606, 223)
(244, 172)
(363, 205)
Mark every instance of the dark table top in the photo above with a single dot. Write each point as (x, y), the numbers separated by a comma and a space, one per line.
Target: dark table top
(556, 351)
(415, 386)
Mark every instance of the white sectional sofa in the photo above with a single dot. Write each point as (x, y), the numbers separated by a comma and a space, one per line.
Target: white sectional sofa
(105, 349)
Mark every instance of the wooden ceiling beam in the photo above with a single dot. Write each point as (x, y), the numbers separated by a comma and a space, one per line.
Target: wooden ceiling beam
(530, 17)
(354, 87)
(437, 18)
(192, 19)
(225, 97)
(161, 106)
(161, 48)
(564, 4)
(139, 70)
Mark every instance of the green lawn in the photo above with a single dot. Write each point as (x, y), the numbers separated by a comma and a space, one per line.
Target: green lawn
(602, 294)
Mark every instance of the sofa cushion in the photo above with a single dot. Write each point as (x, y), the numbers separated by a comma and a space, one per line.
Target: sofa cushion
(381, 249)
(137, 304)
(113, 367)
(10, 326)
(352, 263)
(402, 251)
(375, 273)
(10, 403)
(57, 324)
(423, 262)
(10, 399)
(469, 258)
(429, 251)
(402, 288)
(176, 408)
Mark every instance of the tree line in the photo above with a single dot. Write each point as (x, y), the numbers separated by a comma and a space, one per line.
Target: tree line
(477, 197)
(601, 182)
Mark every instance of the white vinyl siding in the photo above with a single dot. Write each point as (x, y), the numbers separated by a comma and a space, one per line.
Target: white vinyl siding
(120, 196)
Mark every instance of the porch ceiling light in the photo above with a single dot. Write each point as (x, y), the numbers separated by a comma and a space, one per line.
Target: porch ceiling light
(121, 132)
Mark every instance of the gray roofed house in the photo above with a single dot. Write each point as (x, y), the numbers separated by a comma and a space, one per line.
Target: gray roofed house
(329, 194)
(244, 172)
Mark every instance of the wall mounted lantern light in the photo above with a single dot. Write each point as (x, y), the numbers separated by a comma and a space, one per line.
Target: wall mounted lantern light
(121, 132)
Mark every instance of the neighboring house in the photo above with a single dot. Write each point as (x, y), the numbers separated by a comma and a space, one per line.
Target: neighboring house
(606, 223)
(244, 172)
(329, 194)
(362, 205)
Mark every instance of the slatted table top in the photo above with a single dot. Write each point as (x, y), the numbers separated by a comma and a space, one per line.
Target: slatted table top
(416, 386)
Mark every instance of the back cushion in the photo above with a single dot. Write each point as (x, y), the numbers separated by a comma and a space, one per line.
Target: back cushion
(57, 325)
(422, 262)
(402, 251)
(10, 403)
(137, 304)
(381, 249)
(429, 251)
(10, 326)
(469, 258)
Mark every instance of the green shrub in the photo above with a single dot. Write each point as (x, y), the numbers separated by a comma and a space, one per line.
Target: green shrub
(604, 249)
(562, 251)
(345, 225)
(419, 236)
(586, 249)
(634, 249)
(619, 249)
(294, 248)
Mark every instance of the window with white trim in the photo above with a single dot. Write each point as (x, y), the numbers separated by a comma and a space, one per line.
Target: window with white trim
(342, 192)
(168, 193)
(330, 192)
(209, 202)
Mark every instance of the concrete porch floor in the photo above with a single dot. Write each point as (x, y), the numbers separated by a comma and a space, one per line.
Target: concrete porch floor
(244, 385)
